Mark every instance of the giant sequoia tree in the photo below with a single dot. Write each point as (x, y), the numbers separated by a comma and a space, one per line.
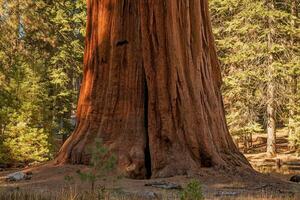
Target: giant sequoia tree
(151, 89)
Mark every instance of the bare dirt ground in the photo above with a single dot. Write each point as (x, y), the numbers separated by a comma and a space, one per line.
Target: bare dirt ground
(286, 162)
(48, 178)
(272, 183)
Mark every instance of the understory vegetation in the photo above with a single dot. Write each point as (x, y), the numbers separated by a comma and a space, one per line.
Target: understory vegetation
(41, 56)
(258, 43)
(41, 53)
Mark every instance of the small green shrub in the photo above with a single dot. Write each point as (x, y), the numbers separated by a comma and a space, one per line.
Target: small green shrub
(101, 163)
(193, 191)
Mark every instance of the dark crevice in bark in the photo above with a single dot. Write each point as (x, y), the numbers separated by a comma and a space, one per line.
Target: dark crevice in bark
(205, 160)
(147, 148)
(122, 42)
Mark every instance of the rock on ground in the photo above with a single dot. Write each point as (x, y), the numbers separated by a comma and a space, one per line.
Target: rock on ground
(18, 176)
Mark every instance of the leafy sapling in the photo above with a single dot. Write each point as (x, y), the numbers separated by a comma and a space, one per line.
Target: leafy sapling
(193, 191)
(101, 163)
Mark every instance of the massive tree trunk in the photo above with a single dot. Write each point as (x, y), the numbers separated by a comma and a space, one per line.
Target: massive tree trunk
(151, 89)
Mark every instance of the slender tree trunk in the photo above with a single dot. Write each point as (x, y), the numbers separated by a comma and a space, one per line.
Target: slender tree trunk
(151, 89)
(293, 85)
(271, 108)
(271, 124)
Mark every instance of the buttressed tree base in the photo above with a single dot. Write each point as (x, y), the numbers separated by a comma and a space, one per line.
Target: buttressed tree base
(151, 90)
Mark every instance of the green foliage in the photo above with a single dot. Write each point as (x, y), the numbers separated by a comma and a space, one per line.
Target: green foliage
(295, 136)
(101, 160)
(193, 191)
(257, 45)
(27, 144)
(101, 163)
(69, 179)
(41, 53)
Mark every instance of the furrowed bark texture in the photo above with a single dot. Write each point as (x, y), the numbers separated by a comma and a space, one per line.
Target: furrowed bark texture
(151, 89)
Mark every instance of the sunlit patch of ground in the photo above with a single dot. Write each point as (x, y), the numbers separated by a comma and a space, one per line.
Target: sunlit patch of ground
(285, 164)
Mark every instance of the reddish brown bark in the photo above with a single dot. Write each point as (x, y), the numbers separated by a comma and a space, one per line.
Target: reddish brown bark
(151, 89)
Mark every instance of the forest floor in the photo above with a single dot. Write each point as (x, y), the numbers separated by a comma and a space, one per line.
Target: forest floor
(273, 183)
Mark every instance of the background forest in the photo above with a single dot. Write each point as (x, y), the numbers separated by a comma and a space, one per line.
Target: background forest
(41, 56)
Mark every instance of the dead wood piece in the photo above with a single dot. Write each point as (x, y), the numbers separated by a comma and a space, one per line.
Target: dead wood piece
(164, 185)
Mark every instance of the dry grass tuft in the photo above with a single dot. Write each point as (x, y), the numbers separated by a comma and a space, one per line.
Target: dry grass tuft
(74, 194)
